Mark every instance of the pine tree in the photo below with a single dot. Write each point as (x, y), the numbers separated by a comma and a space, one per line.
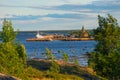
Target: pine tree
(105, 59)
(12, 55)
(7, 34)
(65, 57)
(49, 55)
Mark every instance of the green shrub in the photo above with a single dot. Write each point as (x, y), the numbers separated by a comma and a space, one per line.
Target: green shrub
(105, 58)
(55, 67)
(12, 55)
(65, 57)
(49, 55)
(10, 61)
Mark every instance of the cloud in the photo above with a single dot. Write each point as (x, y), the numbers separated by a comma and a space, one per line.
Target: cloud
(45, 17)
(57, 14)
(28, 17)
(72, 16)
(95, 6)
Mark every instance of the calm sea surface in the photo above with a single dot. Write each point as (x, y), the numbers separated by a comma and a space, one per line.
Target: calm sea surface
(75, 49)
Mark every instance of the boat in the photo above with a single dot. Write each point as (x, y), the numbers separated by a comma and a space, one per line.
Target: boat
(38, 35)
(40, 38)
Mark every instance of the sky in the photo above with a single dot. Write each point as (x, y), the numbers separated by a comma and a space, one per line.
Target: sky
(34, 15)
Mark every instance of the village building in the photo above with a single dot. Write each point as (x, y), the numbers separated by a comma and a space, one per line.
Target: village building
(84, 33)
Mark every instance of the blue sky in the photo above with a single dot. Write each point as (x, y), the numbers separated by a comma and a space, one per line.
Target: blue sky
(56, 14)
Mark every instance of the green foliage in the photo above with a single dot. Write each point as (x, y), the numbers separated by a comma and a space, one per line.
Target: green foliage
(66, 71)
(49, 54)
(10, 61)
(49, 71)
(105, 59)
(13, 59)
(41, 65)
(12, 55)
(65, 57)
(7, 34)
(77, 33)
(75, 61)
(107, 35)
(31, 73)
(55, 76)
(55, 67)
(21, 52)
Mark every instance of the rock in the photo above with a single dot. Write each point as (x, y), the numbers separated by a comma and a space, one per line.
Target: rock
(6, 77)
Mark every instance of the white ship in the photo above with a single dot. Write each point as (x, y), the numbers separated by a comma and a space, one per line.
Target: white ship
(38, 35)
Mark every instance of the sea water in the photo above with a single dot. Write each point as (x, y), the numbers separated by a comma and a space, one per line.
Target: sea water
(75, 49)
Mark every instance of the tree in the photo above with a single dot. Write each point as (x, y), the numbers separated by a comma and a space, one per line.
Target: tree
(12, 54)
(75, 61)
(55, 68)
(107, 35)
(21, 50)
(105, 59)
(7, 34)
(49, 54)
(65, 57)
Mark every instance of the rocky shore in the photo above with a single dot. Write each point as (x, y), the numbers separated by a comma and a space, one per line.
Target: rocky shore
(84, 36)
(6, 77)
(59, 38)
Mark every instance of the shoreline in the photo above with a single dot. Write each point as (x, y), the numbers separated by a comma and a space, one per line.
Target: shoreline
(60, 39)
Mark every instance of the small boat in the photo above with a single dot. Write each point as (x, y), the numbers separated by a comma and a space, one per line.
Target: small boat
(38, 35)
(40, 38)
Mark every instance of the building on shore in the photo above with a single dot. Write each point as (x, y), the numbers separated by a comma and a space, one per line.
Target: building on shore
(84, 33)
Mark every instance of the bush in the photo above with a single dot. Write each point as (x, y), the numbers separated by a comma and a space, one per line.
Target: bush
(55, 67)
(12, 55)
(10, 62)
(105, 59)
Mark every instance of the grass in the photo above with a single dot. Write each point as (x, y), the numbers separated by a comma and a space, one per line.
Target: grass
(67, 71)
(40, 70)
(33, 74)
